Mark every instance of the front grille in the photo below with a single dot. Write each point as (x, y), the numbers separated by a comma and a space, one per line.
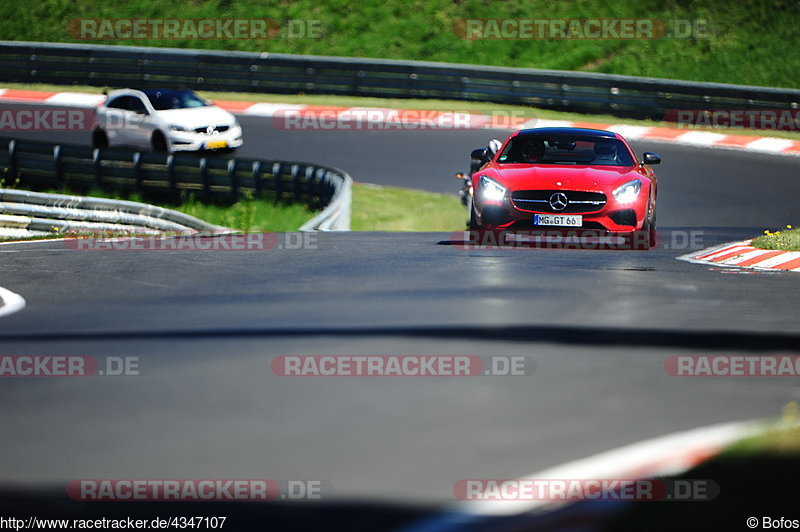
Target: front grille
(219, 129)
(577, 201)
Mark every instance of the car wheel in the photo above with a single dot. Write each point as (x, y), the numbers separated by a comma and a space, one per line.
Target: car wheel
(645, 238)
(159, 142)
(99, 139)
(472, 223)
(653, 233)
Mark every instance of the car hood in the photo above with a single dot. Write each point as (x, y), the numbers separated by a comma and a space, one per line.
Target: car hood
(548, 177)
(197, 117)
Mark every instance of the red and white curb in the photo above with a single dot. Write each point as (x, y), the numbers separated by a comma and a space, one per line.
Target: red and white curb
(667, 455)
(743, 255)
(316, 117)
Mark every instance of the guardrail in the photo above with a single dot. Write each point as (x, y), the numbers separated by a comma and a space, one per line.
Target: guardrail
(26, 213)
(173, 176)
(129, 66)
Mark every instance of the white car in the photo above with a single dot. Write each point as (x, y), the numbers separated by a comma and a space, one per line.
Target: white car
(164, 120)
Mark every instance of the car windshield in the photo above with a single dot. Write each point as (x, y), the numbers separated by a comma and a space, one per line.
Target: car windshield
(566, 150)
(164, 99)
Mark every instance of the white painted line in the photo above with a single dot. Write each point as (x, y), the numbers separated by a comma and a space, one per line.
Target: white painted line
(377, 115)
(270, 109)
(671, 454)
(382, 112)
(719, 251)
(727, 251)
(630, 132)
(665, 455)
(8, 243)
(77, 99)
(746, 256)
(2, 91)
(538, 122)
(11, 302)
(770, 145)
(715, 249)
(699, 138)
(777, 260)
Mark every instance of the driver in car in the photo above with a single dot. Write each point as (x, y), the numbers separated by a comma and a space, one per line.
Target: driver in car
(532, 151)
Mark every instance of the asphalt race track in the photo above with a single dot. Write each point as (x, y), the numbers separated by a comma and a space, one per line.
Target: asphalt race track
(597, 324)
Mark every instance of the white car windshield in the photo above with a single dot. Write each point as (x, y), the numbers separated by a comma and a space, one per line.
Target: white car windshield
(566, 150)
(165, 99)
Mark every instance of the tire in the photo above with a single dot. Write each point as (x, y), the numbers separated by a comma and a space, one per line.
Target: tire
(653, 233)
(645, 238)
(159, 142)
(472, 223)
(99, 139)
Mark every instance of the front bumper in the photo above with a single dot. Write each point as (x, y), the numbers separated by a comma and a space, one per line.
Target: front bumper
(192, 141)
(613, 217)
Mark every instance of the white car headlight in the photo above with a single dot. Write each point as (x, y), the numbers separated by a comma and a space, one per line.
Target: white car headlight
(628, 192)
(491, 189)
(176, 127)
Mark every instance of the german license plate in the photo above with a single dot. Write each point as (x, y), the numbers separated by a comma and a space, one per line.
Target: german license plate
(216, 144)
(565, 220)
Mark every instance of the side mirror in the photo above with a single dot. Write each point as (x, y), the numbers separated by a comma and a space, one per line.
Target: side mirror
(479, 154)
(650, 158)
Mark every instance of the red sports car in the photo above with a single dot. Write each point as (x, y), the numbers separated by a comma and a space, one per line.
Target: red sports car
(582, 180)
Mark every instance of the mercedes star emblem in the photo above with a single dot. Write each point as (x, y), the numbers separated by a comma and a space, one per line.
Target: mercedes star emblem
(558, 201)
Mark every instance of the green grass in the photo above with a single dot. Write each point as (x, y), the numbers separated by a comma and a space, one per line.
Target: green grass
(378, 208)
(247, 214)
(250, 215)
(777, 439)
(785, 240)
(750, 42)
(774, 441)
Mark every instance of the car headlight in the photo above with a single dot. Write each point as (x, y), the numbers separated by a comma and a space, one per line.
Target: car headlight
(175, 127)
(491, 189)
(628, 192)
